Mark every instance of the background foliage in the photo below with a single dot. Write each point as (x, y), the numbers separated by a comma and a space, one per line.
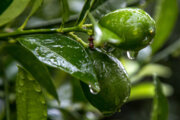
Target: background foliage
(162, 58)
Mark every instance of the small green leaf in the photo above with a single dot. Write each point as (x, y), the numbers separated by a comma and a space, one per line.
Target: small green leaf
(65, 10)
(31, 104)
(14, 10)
(36, 5)
(160, 103)
(33, 65)
(145, 90)
(64, 53)
(102, 34)
(165, 16)
(86, 8)
(4, 4)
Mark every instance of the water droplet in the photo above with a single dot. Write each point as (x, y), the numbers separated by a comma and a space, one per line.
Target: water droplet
(45, 113)
(132, 54)
(42, 100)
(37, 88)
(19, 91)
(30, 77)
(125, 99)
(92, 90)
(119, 110)
(21, 82)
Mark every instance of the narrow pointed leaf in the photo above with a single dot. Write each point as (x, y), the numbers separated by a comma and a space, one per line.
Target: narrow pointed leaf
(65, 10)
(14, 10)
(36, 5)
(31, 104)
(86, 9)
(165, 16)
(34, 66)
(64, 53)
(160, 103)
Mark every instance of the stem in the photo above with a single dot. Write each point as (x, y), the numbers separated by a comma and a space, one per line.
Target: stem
(37, 31)
(5, 81)
(78, 39)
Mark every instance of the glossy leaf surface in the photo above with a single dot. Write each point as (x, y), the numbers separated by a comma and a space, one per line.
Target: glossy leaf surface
(165, 17)
(14, 10)
(160, 103)
(113, 80)
(31, 104)
(34, 66)
(4, 4)
(64, 53)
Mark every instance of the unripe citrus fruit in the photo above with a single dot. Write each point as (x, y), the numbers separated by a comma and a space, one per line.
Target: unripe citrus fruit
(113, 81)
(133, 26)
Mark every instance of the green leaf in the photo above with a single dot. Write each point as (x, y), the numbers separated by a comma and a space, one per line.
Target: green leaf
(65, 10)
(149, 70)
(102, 34)
(14, 10)
(4, 4)
(36, 5)
(165, 16)
(31, 104)
(160, 103)
(145, 90)
(86, 8)
(64, 53)
(33, 65)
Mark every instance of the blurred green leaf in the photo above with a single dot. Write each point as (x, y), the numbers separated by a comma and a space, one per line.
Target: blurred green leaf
(64, 53)
(165, 16)
(4, 4)
(65, 10)
(149, 70)
(36, 5)
(14, 10)
(160, 103)
(31, 104)
(145, 90)
(86, 8)
(174, 47)
(33, 65)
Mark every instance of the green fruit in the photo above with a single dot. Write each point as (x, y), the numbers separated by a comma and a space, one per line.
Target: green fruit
(133, 26)
(113, 81)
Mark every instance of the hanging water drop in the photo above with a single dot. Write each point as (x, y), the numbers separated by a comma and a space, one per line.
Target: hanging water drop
(37, 88)
(92, 90)
(21, 82)
(132, 54)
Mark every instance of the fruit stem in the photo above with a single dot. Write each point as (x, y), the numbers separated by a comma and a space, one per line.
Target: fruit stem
(38, 31)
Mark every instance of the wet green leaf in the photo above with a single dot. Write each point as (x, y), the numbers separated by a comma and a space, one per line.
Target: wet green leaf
(14, 10)
(31, 104)
(160, 103)
(64, 53)
(145, 90)
(33, 65)
(4, 4)
(86, 8)
(165, 17)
